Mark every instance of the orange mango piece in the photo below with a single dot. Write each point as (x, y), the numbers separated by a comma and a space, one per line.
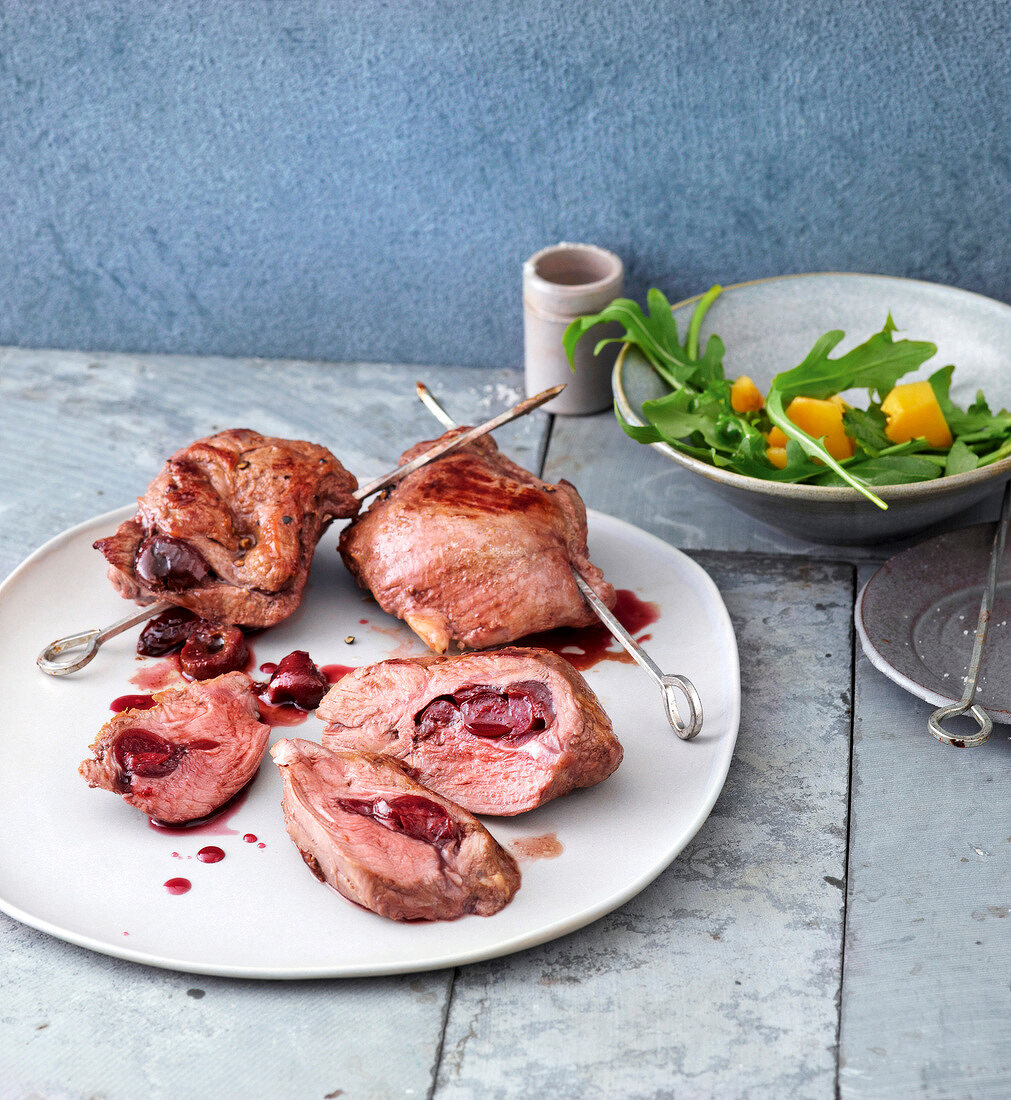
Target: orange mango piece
(777, 456)
(912, 411)
(745, 396)
(777, 438)
(820, 419)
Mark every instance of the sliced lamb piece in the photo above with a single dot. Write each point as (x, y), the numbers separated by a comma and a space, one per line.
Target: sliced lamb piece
(499, 733)
(363, 826)
(474, 549)
(185, 757)
(229, 527)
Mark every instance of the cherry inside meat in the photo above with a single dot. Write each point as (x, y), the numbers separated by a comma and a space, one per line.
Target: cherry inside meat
(212, 650)
(164, 561)
(413, 815)
(517, 711)
(141, 752)
(166, 633)
(297, 680)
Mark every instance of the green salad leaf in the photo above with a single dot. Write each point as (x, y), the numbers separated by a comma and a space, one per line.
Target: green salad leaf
(697, 416)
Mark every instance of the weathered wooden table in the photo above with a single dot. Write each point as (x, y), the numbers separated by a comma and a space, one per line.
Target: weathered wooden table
(838, 926)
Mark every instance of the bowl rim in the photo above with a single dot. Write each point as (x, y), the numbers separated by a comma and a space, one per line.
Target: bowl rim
(839, 494)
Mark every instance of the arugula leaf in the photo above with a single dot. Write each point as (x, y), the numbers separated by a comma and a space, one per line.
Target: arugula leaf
(886, 470)
(960, 459)
(867, 428)
(876, 364)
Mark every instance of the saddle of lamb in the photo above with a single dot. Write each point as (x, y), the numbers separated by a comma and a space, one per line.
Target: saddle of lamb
(474, 549)
(385, 842)
(187, 755)
(498, 733)
(229, 527)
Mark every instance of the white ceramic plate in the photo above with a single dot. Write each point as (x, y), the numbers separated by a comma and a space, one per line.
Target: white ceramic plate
(84, 866)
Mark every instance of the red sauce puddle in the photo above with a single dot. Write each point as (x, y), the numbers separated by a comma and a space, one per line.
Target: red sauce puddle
(211, 854)
(586, 646)
(131, 702)
(333, 673)
(178, 885)
(546, 846)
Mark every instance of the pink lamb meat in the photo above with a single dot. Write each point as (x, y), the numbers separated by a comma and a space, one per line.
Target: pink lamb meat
(185, 757)
(499, 733)
(385, 842)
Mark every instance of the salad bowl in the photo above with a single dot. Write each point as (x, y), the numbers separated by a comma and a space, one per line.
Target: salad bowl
(768, 326)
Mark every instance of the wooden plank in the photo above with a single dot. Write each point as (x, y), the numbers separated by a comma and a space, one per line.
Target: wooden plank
(926, 999)
(721, 978)
(80, 434)
(76, 1024)
(607, 467)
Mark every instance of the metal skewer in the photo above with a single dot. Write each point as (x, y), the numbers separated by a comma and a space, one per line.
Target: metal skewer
(675, 688)
(69, 654)
(965, 705)
(72, 653)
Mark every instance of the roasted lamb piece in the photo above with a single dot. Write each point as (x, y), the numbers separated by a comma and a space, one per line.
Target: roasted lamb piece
(363, 826)
(498, 733)
(474, 549)
(229, 527)
(185, 757)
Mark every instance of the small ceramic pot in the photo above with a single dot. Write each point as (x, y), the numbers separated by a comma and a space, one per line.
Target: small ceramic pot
(561, 283)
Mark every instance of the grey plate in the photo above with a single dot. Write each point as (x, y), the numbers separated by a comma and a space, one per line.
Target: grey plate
(769, 326)
(917, 616)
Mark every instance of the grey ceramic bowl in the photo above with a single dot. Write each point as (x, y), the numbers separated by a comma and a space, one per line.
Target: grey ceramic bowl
(769, 326)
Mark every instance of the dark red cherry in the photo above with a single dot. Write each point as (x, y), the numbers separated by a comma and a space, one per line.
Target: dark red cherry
(164, 561)
(412, 815)
(212, 650)
(141, 752)
(165, 633)
(297, 680)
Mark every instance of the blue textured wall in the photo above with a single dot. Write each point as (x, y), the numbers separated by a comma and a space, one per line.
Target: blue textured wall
(351, 180)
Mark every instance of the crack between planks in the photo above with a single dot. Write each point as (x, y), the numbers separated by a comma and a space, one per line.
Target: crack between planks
(437, 1061)
(855, 584)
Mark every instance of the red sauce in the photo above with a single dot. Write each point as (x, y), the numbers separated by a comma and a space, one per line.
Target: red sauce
(547, 846)
(269, 667)
(178, 885)
(211, 854)
(160, 675)
(584, 647)
(284, 714)
(333, 673)
(250, 838)
(363, 622)
(131, 702)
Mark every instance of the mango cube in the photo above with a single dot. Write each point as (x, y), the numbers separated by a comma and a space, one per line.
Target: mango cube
(821, 420)
(912, 411)
(745, 396)
(777, 456)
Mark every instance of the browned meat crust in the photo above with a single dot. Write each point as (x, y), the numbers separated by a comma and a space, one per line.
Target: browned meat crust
(474, 549)
(386, 842)
(499, 733)
(248, 510)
